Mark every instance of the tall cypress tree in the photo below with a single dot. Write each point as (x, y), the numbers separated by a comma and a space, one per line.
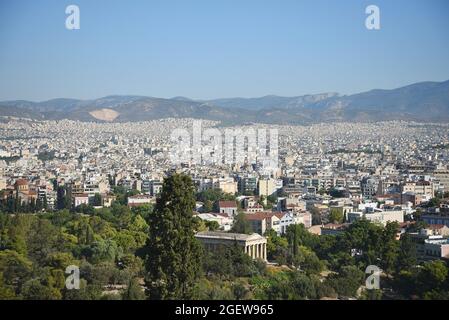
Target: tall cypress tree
(173, 259)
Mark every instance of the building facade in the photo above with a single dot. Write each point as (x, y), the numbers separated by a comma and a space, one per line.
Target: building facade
(253, 245)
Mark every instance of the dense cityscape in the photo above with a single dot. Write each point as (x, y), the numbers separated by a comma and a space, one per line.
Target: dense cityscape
(344, 197)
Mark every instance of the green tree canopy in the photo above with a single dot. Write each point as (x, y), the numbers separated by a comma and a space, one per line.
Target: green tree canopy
(173, 260)
(241, 224)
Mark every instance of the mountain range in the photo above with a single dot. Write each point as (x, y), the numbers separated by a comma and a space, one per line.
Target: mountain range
(424, 101)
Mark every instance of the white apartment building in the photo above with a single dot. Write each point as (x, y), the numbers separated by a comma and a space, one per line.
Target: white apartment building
(81, 199)
(378, 216)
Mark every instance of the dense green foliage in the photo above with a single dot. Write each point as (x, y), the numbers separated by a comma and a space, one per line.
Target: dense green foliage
(173, 260)
(119, 250)
(241, 224)
(37, 249)
(336, 215)
(211, 197)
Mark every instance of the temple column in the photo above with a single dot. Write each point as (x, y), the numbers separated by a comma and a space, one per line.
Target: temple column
(264, 248)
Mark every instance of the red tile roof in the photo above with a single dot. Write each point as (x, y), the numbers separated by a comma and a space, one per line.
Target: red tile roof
(227, 204)
(21, 182)
(263, 215)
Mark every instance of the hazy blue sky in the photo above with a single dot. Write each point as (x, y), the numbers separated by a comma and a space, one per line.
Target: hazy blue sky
(218, 48)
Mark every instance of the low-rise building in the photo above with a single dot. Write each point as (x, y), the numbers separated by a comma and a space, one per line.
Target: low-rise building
(262, 221)
(140, 200)
(436, 247)
(80, 199)
(422, 188)
(255, 208)
(227, 207)
(378, 216)
(334, 229)
(254, 244)
(278, 221)
(430, 247)
(224, 221)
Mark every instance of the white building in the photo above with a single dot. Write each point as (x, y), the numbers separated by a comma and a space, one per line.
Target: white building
(140, 200)
(378, 216)
(228, 207)
(81, 199)
(223, 221)
(289, 218)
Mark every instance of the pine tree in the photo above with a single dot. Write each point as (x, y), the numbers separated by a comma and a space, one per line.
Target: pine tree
(60, 198)
(173, 259)
(45, 203)
(407, 258)
(38, 205)
(389, 248)
(241, 224)
(32, 205)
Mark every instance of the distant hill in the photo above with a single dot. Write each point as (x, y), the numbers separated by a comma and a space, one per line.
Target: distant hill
(271, 102)
(425, 101)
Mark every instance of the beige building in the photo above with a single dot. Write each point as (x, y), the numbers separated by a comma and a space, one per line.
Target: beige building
(443, 177)
(253, 245)
(267, 187)
(424, 188)
(435, 230)
(227, 186)
(2, 183)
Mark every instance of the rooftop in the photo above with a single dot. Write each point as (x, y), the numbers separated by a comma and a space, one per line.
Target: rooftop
(228, 236)
(263, 215)
(227, 204)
